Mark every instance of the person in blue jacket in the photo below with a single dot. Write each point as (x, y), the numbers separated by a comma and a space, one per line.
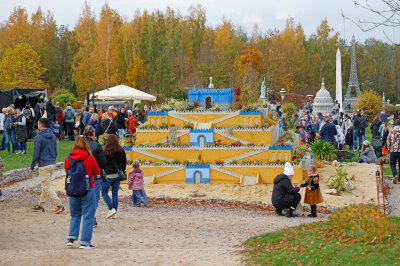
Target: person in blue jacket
(328, 132)
(45, 154)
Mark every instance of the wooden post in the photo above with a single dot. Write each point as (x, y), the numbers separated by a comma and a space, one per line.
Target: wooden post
(383, 192)
(379, 206)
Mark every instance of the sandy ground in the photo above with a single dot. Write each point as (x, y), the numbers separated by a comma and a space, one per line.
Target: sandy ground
(160, 234)
(364, 181)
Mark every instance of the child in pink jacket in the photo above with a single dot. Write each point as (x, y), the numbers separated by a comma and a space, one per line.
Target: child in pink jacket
(135, 183)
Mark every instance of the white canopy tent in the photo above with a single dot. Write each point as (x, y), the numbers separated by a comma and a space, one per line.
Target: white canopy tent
(123, 93)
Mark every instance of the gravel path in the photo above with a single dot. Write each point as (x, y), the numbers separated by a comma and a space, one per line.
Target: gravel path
(394, 197)
(160, 234)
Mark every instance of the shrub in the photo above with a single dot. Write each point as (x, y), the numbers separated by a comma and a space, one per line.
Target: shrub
(102, 139)
(163, 126)
(322, 150)
(370, 102)
(390, 109)
(64, 98)
(340, 180)
(289, 109)
(179, 95)
(361, 223)
(188, 125)
(76, 105)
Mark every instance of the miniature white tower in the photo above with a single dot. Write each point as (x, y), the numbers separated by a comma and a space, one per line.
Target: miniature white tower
(339, 79)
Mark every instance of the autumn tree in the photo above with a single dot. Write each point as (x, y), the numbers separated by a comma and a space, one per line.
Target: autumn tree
(105, 55)
(135, 71)
(21, 68)
(85, 37)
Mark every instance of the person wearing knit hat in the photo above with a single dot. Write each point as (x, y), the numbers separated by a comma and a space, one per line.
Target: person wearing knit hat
(284, 195)
(368, 154)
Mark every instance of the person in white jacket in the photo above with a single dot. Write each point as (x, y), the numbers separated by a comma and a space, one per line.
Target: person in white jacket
(339, 137)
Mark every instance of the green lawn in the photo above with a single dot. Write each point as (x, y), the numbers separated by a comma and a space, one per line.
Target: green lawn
(318, 243)
(14, 161)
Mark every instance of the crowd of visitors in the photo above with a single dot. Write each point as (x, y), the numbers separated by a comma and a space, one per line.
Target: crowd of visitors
(20, 126)
(346, 130)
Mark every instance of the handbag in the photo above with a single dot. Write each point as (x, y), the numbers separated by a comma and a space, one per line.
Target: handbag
(121, 174)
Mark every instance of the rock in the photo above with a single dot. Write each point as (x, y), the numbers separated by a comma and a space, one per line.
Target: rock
(331, 191)
(354, 164)
(160, 197)
(195, 194)
(350, 187)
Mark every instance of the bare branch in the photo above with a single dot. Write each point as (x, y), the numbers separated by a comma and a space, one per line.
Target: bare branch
(388, 15)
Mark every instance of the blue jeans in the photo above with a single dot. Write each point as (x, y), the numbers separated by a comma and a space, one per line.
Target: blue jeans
(364, 159)
(3, 142)
(394, 159)
(10, 135)
(360, 140)
(82, 206)
(121, 132)
(98, 184)
(22, 146)
(114, 184)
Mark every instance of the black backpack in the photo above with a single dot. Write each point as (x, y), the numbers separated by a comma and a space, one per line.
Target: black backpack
(77, 182)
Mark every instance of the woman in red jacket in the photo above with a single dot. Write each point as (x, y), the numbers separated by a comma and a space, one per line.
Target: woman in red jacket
(82, 206)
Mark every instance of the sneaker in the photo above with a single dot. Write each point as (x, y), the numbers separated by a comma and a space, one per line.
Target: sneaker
(95, 224)
(59, 209)
(86, 246)
(111, 213)
(70, 242)
(114, 217)
(38, 208)
(395, 180)
(19, 152)
(24, 152)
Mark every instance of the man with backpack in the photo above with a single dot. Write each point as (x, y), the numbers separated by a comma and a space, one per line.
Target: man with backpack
(360, 124)
(100, 156)
(45, 154)
(69, 118)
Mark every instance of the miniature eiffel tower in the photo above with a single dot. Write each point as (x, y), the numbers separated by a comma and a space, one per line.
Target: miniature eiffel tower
(353, 80)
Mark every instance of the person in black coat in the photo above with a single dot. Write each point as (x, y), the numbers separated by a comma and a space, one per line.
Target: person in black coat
(284, 195)
(116, 162)
(50, 111)
(375, 125)
(100, 156)
(122, 116)
(106, 125)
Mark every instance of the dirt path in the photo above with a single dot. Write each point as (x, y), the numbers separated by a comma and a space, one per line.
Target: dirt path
(157, 235)
(394, 197)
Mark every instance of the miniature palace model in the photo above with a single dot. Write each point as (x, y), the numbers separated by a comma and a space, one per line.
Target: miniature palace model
(211, 146)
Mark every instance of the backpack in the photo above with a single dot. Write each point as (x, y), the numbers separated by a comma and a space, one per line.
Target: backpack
(68, 115)
(77, 182)
(27, 113)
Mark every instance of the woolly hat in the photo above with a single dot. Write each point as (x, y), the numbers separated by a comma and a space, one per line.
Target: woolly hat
(366, 143)
(288, 169)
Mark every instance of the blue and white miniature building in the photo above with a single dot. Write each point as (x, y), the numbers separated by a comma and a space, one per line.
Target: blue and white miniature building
(209, 97)
(200, 137)
(197, 174)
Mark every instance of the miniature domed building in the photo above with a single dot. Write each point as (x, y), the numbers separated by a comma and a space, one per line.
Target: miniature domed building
(323, 101)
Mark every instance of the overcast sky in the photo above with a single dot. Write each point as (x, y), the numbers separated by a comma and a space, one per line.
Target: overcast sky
(268, 14)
